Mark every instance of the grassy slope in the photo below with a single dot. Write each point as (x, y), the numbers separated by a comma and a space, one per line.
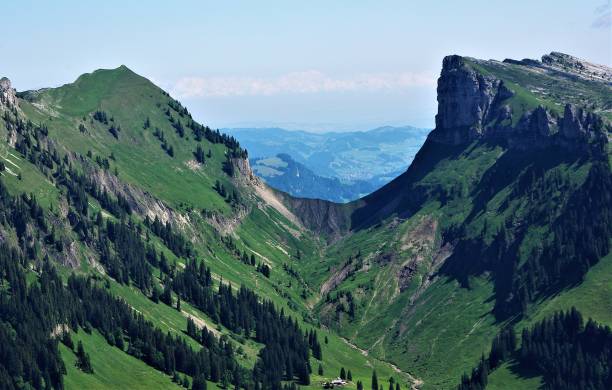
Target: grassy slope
(445, 331)
(129, 99)
(592, 298)
(418, 337)
(511, 376)
(113, 369)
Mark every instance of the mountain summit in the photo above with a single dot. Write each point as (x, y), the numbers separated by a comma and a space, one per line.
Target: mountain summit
(487, 99)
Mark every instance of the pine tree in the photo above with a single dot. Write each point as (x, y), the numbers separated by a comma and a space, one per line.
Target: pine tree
(374, 381)
(199, 383)
(83, 362)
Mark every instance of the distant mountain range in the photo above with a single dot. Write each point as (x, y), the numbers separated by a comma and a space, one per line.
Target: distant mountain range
(286, 174)
(360, 161)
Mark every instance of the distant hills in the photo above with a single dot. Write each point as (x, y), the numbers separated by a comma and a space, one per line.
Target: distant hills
(284, 173)
(361, 161)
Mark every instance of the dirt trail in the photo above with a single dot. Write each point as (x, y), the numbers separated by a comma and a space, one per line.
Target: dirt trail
(415, 384)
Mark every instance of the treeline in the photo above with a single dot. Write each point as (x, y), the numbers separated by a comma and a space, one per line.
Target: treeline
(128, 259)
(286, 351)
(581, 237)
(201, 132)
(30, 316)
(172, 239)
(84, 304)
(568, 354)
(33, 315)
(31, 142)
(577, 215)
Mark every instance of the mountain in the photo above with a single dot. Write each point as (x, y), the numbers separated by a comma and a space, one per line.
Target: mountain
(285, 174)
(152, 254)
(502, 219)
(375, 156)
(139, 249)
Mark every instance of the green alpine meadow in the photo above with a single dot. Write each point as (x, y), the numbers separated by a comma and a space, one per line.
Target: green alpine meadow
(140, 250)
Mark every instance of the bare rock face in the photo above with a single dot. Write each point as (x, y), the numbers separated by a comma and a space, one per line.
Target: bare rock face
(466, 101)
(473, 105)
(578, 122)
(577, 66)
(8, 97)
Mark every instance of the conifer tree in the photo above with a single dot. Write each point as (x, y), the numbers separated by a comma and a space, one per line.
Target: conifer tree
(83, 362)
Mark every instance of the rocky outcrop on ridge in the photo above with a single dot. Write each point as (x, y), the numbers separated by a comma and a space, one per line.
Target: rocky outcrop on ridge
(476, 104)
(8, 97)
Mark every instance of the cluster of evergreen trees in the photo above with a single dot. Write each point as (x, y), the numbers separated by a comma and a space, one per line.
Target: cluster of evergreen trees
(566, 352)
(164, 143)
(85, 303)
(502, 348)
(129, 259)
(102, 117)
(230, 197)
(80, 185)
(576, 215)
(581, 237)
(200, 156)
(286, 351)
(173, 240)
(569, 354)
(201, 132)
(31, 313)
(32, 142)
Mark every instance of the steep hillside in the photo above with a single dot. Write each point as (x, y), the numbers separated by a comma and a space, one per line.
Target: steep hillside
(505, 210)
(116, 200)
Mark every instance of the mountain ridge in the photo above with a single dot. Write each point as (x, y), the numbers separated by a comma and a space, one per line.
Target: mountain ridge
(481, 234)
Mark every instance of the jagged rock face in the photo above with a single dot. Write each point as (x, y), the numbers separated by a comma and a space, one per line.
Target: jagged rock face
(577, 123)
(466, 101)
(7, 93)
(473, 106)
(576, 65)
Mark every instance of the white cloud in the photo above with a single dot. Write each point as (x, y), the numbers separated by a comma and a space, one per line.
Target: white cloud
(311, 81)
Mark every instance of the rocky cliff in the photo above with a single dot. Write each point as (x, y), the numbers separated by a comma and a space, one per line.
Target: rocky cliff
(8, 97)
(481, 100)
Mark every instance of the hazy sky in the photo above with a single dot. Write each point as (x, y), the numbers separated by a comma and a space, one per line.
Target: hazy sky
(310, 64)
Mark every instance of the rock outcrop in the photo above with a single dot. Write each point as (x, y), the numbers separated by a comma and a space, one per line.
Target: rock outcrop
(467, 100)
(321, 216)
(578, 66)
(474, 104)
(8, 97)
